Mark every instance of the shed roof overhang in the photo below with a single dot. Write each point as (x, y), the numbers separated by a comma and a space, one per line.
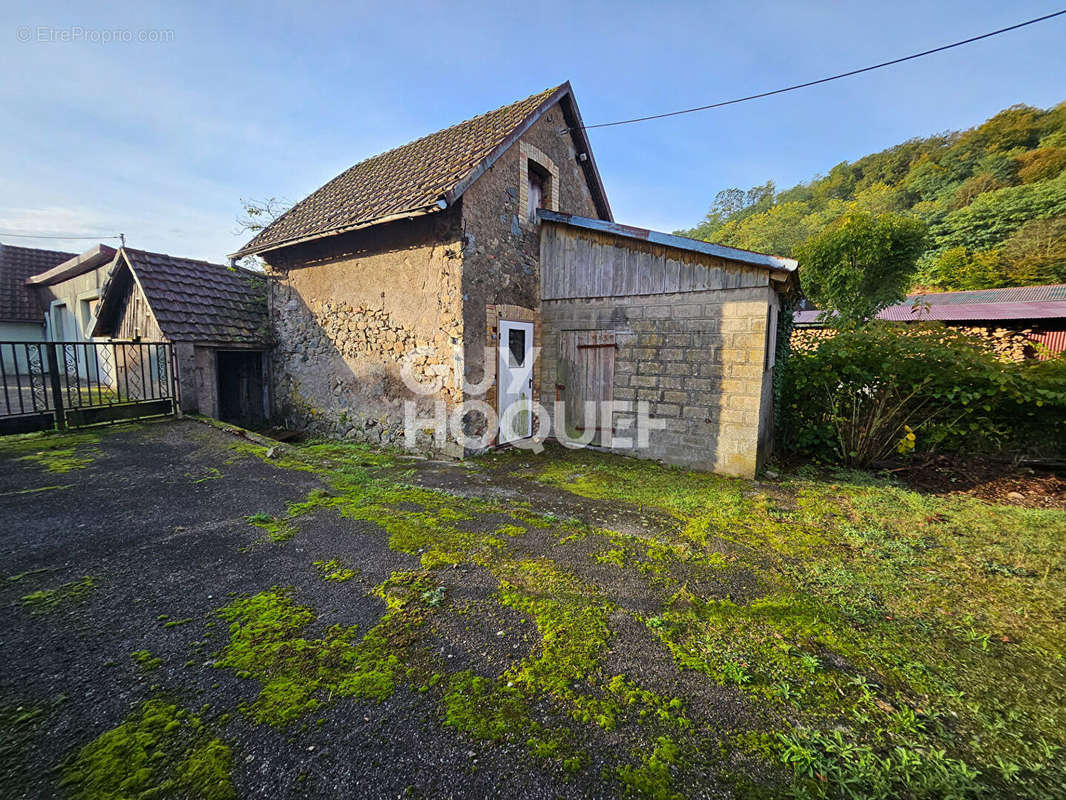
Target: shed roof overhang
(89, 260)
(782, 270)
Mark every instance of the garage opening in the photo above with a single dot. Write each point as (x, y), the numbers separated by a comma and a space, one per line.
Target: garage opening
(240, 387)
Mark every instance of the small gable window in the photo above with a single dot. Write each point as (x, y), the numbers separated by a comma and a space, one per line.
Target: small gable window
(538, 183)
(536, 191)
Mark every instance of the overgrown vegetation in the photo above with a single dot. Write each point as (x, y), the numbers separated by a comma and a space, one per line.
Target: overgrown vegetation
(875, 392)
(993, 198)
(914, 645)
(160, 751)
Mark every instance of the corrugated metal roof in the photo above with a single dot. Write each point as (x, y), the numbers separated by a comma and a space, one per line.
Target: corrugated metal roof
(1016, 294)
(1054, 342)
(673, 240)
(985, 305)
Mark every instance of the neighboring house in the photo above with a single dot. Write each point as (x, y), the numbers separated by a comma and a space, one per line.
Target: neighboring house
(21, 315)
(433, 258)
(1018, 323)
(213, 315)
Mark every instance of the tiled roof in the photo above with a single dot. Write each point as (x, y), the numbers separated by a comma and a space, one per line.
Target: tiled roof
(1022, 302)
(412, 177)
(196, 301)
(17, 301)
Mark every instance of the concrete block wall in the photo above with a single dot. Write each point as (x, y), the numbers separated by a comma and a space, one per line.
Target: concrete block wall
(697, 358)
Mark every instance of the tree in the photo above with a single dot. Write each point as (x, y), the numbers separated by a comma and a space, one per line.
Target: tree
(731, 205)
(975, 190)
(259, 214)
(255, 216)
(1036, 252)
(861, 263)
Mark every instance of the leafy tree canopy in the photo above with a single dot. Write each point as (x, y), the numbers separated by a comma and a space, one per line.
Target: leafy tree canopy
(993, 199)
(861, 263)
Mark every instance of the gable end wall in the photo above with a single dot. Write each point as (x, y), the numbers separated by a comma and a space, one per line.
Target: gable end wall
(501, 250)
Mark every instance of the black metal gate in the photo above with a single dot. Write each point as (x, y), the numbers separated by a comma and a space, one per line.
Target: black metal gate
(69, 384)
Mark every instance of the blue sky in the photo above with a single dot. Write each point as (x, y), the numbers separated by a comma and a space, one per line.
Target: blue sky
(161, 139)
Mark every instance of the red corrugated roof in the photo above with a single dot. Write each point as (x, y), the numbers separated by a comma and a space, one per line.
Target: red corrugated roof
(986, 305)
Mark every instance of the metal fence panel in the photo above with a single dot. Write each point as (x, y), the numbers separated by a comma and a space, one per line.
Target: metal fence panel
(53, 384)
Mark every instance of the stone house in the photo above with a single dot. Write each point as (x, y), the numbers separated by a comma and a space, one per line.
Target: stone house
(477, 275)
(214, 316)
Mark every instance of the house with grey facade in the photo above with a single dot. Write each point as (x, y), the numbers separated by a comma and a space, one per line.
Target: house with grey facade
(21, 317)
(477, 276)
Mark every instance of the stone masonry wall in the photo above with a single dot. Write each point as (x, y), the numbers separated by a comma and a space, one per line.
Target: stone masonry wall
(348, 310)
(501, 249)
(697, 358)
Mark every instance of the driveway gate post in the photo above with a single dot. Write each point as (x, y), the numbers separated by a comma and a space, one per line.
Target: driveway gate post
(57, 392)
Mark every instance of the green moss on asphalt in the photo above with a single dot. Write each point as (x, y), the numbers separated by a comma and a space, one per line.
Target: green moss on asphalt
(45, 601)
(886, 643)
(334, 570)
(268, 643)
(278, 530)
(160, 751)
(54, 452)
(565, 672)
(145, 660)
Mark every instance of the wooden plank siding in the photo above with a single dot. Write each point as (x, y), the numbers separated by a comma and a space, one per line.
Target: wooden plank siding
(579, 263)
(586, 379)
(135, 319)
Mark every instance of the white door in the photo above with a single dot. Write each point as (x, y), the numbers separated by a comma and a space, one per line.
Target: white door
(515, 381)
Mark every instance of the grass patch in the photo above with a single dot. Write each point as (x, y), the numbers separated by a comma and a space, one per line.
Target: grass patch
(918, 641)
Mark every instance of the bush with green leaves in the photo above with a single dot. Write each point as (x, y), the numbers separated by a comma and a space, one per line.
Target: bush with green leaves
(876, 392)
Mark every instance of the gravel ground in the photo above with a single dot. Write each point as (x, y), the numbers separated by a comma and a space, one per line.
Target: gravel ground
(158, 521)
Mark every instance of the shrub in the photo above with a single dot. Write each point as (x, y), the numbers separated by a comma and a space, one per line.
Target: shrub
(882, 390)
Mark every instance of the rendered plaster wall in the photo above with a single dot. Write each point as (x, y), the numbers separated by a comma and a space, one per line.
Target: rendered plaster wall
(347, 310)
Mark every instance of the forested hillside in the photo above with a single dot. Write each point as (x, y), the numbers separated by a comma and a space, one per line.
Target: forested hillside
(993, 197)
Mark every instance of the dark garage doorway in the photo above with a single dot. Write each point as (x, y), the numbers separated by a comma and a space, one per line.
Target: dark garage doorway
(240, 387)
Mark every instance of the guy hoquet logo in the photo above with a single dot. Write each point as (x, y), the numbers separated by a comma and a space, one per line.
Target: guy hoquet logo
(523, 423)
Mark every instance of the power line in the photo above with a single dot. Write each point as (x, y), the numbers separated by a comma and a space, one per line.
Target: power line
(53, 236)
(825, 80)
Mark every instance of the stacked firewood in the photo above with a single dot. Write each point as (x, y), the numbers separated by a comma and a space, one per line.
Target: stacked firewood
(1007, 344)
